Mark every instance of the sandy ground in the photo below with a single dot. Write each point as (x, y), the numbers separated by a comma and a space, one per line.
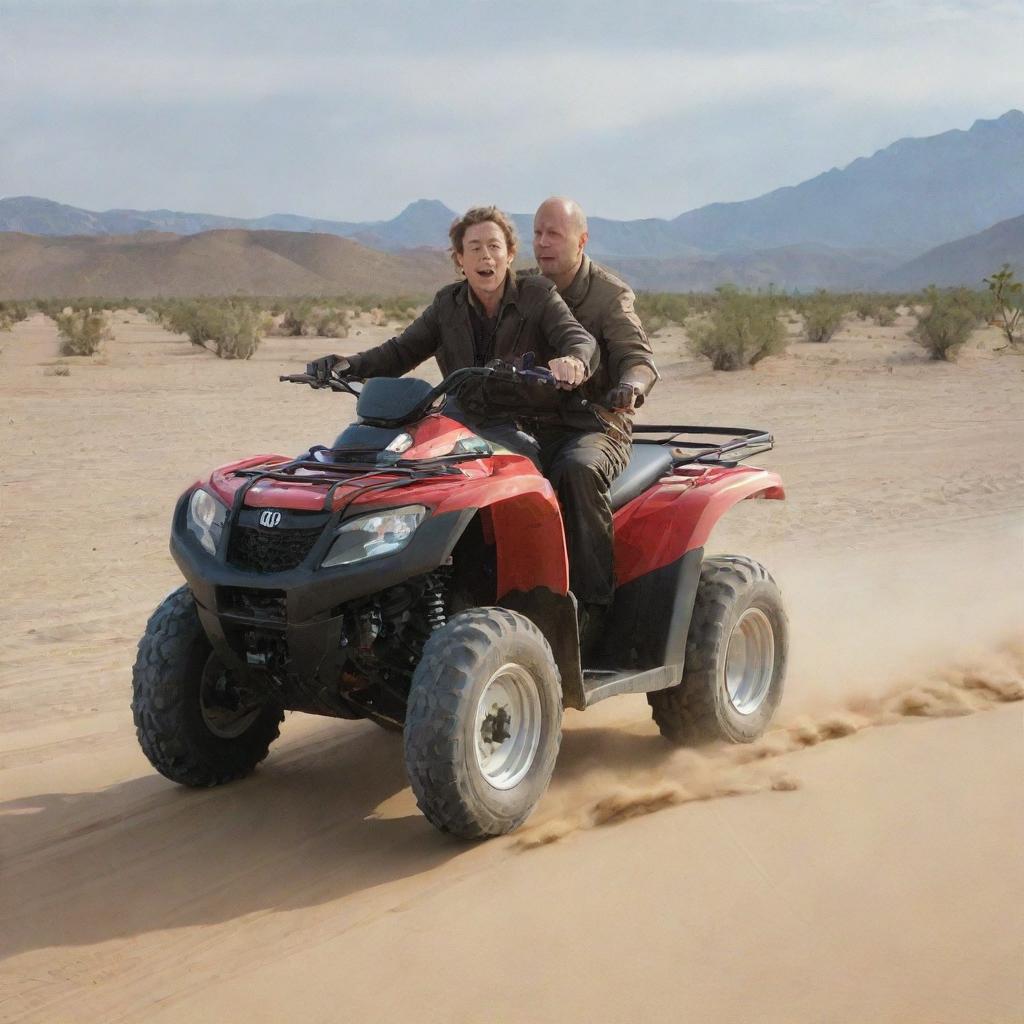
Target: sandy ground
(862, 863)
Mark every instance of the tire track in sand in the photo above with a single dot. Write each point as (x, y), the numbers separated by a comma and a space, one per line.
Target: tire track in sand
(607, 797)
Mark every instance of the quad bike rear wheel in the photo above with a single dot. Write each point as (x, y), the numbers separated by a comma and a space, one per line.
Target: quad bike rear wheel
(196, 725)
(736, 654)
(484, 723)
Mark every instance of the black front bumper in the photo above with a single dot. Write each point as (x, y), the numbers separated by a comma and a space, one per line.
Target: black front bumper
(302, 606)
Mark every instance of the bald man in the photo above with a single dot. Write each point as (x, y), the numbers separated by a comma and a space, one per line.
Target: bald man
(582, 466)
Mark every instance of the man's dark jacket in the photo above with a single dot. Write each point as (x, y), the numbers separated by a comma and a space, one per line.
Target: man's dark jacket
(603, 304)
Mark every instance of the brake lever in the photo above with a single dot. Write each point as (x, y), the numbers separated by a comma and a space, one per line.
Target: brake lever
(541, 376)
(313, 382)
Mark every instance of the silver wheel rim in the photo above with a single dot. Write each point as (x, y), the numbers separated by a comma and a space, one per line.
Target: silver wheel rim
(507, 726)
(750, 661)
(225, 712)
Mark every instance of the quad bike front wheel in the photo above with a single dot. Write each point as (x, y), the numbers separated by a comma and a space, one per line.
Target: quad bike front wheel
(196, 725)
(484, 723)
(736, 654)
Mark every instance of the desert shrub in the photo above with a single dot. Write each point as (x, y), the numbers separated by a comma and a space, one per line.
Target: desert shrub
(308, 319)
(823, 315)
(740, 331)
(230, 328)
(192, 318)
(1007, 296)
(885, 316)
(81, 332)
(658, 309)
(401, 310)
(12, 313)
(979, 302)
(49, 307)
(866, 306)
(946, 324)
(702, 302)
(653, 323)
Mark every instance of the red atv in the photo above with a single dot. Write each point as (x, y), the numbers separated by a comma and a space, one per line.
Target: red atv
(416, 575)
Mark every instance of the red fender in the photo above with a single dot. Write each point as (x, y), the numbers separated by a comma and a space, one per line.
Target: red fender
(522, 518)
(679, 513)
(518, 507)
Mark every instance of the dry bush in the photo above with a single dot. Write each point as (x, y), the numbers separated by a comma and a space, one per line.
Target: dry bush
(658, 309)
(1007, 296)
(823, 316)
(49, 307)
(980, 303)
(234, 329)
(82, 332)
(866, 306)
(741, 330)
(401, 311)
(231, 328)
(12, 313)
(307, 319)
(871, 306)
(946, 324)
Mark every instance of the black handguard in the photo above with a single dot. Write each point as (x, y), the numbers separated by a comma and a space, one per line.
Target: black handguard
(321, 368)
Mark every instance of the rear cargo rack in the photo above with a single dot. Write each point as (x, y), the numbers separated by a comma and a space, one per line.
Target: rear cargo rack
(742, 443)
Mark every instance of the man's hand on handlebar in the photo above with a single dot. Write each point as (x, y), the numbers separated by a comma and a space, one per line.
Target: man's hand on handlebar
(321, 368)
(623, 398)
(568, 371)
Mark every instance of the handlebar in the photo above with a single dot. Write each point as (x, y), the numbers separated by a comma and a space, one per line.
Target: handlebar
(335, 382)
(529, 373)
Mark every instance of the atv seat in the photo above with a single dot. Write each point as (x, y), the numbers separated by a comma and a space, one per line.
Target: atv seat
(646, 466)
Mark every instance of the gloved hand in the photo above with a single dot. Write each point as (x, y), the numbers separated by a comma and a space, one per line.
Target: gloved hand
(321, 368)
(624, 398)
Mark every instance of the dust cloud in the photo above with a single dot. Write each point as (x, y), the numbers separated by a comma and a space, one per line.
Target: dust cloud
(876, 639)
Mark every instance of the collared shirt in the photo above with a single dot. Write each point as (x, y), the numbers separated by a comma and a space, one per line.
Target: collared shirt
(484, 326)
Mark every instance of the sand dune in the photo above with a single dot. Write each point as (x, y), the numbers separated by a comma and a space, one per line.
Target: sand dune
(866, 865)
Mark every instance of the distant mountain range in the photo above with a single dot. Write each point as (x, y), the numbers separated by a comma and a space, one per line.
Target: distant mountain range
(873, 223)
(239, 262)
(967, 260)
(231, 262)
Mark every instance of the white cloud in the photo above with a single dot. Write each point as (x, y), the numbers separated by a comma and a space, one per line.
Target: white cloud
(751, 95)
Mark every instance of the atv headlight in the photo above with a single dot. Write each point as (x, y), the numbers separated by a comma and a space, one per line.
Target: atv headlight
(206, 516)
(371, 536)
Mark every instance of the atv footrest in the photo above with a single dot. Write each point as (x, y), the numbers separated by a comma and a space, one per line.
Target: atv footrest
(601, 683)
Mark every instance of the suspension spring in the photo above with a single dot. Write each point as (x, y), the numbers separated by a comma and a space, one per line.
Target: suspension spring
(433, 604)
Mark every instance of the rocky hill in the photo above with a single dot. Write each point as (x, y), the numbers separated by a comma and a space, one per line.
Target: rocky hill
(225, 262)
(968, 260)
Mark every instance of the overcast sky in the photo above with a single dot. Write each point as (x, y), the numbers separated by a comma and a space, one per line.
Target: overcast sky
(350, 110)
